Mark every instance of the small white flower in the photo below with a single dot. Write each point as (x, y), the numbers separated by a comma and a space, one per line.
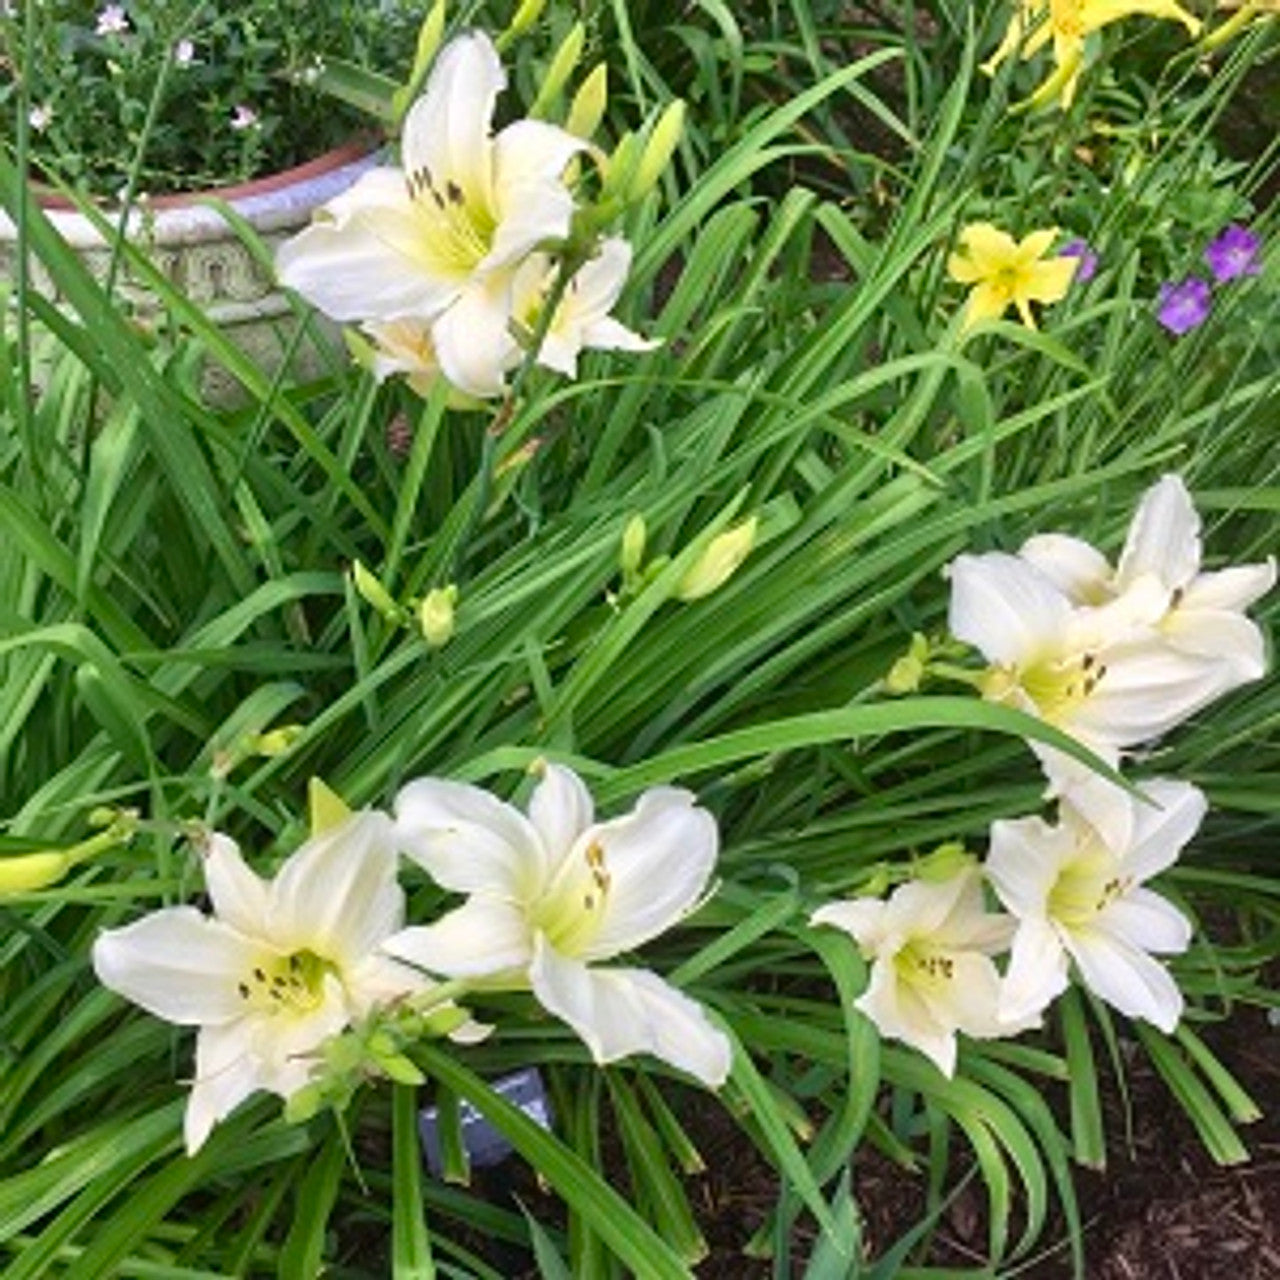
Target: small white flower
(184, 53)
(439, 241)
(40, 117)
(243, 117)
(552, 893)
(1076, 890)
(280, 967)
(112, 20)
(930, 944)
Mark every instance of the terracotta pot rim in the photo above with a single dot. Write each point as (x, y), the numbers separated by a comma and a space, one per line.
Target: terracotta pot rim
(335, 158)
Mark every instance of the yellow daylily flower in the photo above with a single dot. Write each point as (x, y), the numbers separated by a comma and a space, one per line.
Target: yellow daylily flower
(1006, 272)
(1068, 24)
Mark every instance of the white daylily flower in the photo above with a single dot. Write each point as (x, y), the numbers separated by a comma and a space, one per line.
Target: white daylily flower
(552, 893)
(439, 240)
(405, 347)
(932, 975)
(1198, 615)
(1105, 673)
(582, 320)
(1076, 890)
(280, 967)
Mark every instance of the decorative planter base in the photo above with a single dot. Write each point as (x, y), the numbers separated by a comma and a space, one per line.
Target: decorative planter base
(197, 249)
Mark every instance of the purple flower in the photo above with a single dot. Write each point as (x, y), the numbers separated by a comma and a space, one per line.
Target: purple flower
(1234, 253)
(1184, 306)
(1088, 260)
(112, 21)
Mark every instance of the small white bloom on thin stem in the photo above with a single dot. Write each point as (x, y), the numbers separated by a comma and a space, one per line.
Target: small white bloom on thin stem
(930, 944)
(243, 117)
(581, 320)
(552, 893)
(280, 967)
(439, 241)
(1077, 892)
(40, 117)
(112, 21)
(184, 53)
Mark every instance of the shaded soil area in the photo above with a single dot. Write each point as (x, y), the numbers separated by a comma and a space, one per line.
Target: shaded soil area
(1161, 1211)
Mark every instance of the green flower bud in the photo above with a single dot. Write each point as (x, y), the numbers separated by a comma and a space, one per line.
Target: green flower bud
(660, 146)
(275, 742)
(558, 73)
(720, 560)
(588, 106)
(429, 36)
(30, 871)
(633, 541)
(524, 17)
(907, 673)
(944, 863)
(436, 615)
(374, 594)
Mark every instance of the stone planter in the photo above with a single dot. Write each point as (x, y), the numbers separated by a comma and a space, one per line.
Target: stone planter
(202, 255)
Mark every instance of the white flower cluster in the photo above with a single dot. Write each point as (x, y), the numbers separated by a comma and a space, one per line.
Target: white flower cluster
(282, 966)
(447, 262)
(1113, 657)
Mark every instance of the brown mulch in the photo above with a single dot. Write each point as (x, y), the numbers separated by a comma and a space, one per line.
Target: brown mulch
(1161, 1211)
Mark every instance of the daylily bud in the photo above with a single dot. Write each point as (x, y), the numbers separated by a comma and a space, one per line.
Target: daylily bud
(525, 16)
(906, 674)
(30, 871)
(587, 109)
(429, 36)
(558, 73)
(618, 168)
(944, 863)
(375, 594)
(658, 150)
(719, 561)
(633, 541)
(436, 615)
(325, 807)
(275, 742)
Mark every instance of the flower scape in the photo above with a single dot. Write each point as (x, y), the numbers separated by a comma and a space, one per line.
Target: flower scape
(732, 630)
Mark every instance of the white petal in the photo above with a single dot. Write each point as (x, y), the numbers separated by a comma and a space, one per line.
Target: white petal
(608, 334)
(1162, 828)
(1147, 921)
(532, 203)
(177, 964)
(1164, 538)
(900, 1014)
(1233, 645)
(1037, 974)
(287, 1047)
(469, 840)
(483, 936)
(446, 132)
(969, 999)
(472, 338)
(560, 809)
(1090, 803)
(239, 896)
(1232, 589)
(921, 908)
(226, 1074)
(618, 1012)
(1127, 979)
(1005, 607)
(1145, 691)
(1023, 862)
(1078, 570)
(338, 895)
(370, 265)
(659, 859)
(863, 918)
